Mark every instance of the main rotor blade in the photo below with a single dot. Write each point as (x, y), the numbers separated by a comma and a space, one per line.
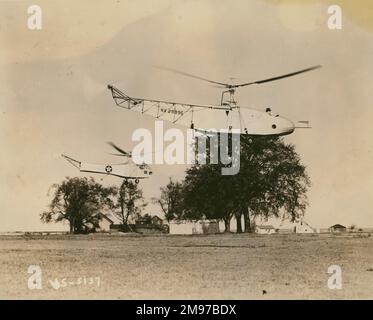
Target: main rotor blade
(276, 78)
(125, 153)
(192, 76)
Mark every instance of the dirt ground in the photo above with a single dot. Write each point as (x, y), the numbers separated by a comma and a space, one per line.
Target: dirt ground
(226, 266)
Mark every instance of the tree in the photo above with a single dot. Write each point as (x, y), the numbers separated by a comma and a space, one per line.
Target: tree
(171, 200)
(130, 202)
(271, 180)
(278, 181)
(79, 201)
(208, 194)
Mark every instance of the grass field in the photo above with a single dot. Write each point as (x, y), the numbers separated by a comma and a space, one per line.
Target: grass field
(227, 266)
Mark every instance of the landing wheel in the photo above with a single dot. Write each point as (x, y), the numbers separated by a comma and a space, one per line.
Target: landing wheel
(125, 182)
(137, 181)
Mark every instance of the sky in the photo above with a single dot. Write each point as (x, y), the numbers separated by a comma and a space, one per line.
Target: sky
(54, 97)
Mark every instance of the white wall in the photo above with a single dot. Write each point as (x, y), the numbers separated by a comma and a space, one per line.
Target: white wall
(104, 225)
(188, 227)
(185, 227)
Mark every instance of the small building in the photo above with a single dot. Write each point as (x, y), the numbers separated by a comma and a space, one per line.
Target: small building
(149, 224)
(337, 228)
(145, 220)
(156, 220)
(265, 229)
(104, 223)
(303, 227)
(194, 227)
(117, 227)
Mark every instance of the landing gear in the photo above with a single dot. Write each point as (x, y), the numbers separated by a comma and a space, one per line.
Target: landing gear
(126, 182)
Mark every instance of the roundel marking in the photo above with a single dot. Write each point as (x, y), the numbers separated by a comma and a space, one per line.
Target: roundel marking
(108, 169)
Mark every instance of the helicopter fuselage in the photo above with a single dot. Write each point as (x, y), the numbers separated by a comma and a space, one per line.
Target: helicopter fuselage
(207, 117)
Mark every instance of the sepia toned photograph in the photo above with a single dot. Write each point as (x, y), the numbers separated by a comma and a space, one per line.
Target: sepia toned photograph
(186, 150)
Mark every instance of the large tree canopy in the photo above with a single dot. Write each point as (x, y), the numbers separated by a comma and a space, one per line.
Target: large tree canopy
(271, 180)
(80, 201)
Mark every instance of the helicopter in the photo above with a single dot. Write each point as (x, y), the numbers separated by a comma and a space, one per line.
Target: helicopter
(127, 170)
(228, 115)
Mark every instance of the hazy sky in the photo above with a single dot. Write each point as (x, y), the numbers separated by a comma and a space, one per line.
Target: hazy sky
(54, 100)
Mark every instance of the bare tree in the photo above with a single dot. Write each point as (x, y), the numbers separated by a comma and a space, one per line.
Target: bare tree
(129, 202)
